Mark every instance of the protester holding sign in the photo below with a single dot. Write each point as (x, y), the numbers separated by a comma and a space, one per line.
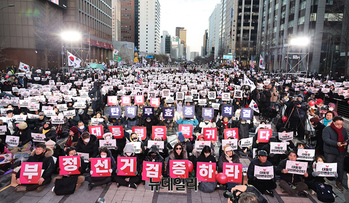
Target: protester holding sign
(103, 152)
(24, 134)
(135, 179)
(73, 138)
(227, 157)
(65, 181)
(292, 183)
(206, 156)
(178, 152)
(40, 154)
(335, 146)
(95, 95)
(153, 155)
(223, 123)
(264, 184)
(48, 130)
(87, 143)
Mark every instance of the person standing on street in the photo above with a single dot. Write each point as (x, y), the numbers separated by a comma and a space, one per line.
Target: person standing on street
(335, 144)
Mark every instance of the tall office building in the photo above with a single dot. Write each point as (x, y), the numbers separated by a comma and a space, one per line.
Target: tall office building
(213, 31)
(182, 34)
(31, 40)
(149, 26)
(282, 20)
(244, 28)
(165, 45)
(128, 28)
(227, 29)
(204, 44)
(116, 5)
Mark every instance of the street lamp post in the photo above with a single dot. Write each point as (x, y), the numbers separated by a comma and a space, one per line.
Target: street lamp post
(8, 6)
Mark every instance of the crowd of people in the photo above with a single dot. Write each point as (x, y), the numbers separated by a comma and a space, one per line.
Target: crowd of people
(63, 106)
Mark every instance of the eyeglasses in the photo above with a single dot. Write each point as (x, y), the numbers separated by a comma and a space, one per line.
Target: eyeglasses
(178, 148)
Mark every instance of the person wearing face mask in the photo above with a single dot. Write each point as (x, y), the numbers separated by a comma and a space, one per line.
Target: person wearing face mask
(264, 186)
(318, 127)
(134, 138)
(206, 123)
(332, 107)
(82, 128)
(96, 181)
(154, 155)
(109, 136)
(44, 155)
(133, 180)
(61, 182)
(149, 122)
(87, 143)
(10, 121)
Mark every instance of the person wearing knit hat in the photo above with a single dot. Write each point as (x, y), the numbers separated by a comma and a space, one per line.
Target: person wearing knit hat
(24, 134)
(227, 157)
(74, 135)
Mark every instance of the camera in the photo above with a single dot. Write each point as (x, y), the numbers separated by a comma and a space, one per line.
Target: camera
(232, 195)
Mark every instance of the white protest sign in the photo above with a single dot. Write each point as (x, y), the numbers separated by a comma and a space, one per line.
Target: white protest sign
(278, 147)
(246, 142)
(326, 169)
(37, 137)
(264, 172)
(20, 118)
(84, 156)
(12, 141)
(306, 154)
(110, 144)
(57, 120)
(296, 167)
(285, 136)
(70, 113)
(50, 113)
(159, 144)
(199, 145)
(232, 142)
(3, 129)
(136, 146)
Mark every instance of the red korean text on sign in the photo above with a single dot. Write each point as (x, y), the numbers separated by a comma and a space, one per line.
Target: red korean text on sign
(231, 132)
(69, 165)
(100, 167)
(117, 131)
(127, 166)
(210, 134)
(206, 171)
(187, 130)
(233, 171)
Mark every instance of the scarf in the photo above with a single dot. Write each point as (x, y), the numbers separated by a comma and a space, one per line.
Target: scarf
(45, 131)
(326, 121)
(340, 137)
(225, 124)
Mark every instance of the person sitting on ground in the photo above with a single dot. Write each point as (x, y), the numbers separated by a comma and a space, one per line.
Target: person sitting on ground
(44, 155)
(264, 186)
(79, 178)
(228, 157)
(48, 130)
(96, 181)
(87, 144)
(292, 184)
(73, 138)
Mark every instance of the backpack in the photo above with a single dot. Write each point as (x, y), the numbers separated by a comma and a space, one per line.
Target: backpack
(207, 187)
(65, 185)
(324, 192)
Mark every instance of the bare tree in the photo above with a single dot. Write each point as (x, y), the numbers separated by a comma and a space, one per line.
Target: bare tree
(47, 26)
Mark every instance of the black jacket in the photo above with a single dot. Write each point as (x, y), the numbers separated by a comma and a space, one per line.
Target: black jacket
(47, 163)
(91, 147)
(288, 177)
(256, 162)
(24, 136)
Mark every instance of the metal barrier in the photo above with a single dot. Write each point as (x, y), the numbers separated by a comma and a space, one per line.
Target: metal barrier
(342, 107)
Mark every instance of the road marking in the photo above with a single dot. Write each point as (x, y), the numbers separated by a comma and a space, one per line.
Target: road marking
(5, 188)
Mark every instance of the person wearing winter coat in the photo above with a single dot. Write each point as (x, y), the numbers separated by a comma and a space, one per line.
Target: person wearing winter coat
(228, 157)
(73, 138)
(318, 127)
(154, 155)
(87, 143)
(223, 123)
(48, 130)
(95, 95)
(133, 180)
(264, 186)
(292, 184)
(96, 181)
(24, 134)
(44, 155)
